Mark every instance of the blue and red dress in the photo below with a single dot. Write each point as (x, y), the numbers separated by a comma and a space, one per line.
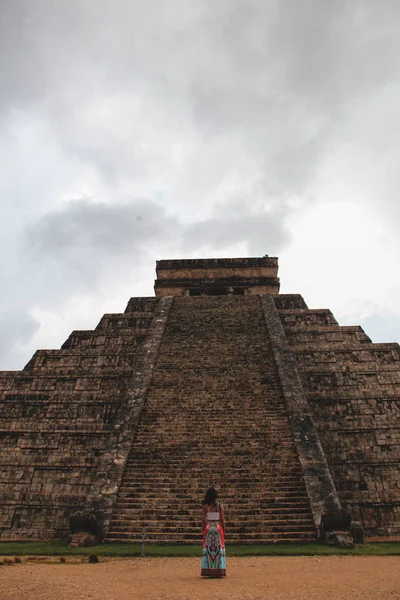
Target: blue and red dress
(213, 562)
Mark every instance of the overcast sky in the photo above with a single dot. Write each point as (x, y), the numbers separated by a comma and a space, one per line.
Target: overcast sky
(138, 130)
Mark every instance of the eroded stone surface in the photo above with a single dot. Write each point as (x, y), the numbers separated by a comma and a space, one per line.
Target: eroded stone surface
(62, 421)
(353, 390)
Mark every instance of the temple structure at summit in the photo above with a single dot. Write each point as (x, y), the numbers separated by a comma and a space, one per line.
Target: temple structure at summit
(218, 380)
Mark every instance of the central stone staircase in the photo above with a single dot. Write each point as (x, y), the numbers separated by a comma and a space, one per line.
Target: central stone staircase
(214, 416)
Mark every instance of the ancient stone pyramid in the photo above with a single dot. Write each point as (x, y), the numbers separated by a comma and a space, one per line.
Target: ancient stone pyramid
(217, 380)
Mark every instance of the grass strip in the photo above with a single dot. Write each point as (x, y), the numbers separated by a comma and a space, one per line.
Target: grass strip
(125, 550)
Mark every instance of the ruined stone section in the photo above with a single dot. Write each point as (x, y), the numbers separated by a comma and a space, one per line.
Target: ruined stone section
(104, 491)
(141, 305)
(214, 415)
(217, 277)
(57, 417)
(287, 301)
(302, 318)
(326, 337)
(320, 487)
(353, 389)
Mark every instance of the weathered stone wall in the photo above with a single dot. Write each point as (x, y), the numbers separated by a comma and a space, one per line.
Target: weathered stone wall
(353, 390)
(218, 268)
(58, 418)
(104, 491)
(252, 287)
(255, 275)
(217, 273)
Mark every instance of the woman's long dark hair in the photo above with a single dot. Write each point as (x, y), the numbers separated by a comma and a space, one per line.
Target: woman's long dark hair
(210, 497)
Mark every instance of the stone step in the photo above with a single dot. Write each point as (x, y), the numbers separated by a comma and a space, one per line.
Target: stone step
(190, 512)
(195, 497)
(152, 426)
(258, 474)
(254, 481)
(177, 538)
(197, 541)
(250, 506)
(175, 462)
(197, 430)
(124, 522)
(243, 528)
(278, 504)
(196, 433)
(261, 485)
(281, 510)
(263, 446)
(161, 466)
(247, 401)
(261, 472)
(264, 461)
(255, 440)
(261, 457)
(263, 468)
(179, 491)
(266, 414)
(198, 425)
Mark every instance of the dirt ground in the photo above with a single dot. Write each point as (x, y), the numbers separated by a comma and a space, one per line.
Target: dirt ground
(259, 578)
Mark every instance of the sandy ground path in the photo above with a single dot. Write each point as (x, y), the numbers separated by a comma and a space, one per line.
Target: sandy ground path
(260, 578)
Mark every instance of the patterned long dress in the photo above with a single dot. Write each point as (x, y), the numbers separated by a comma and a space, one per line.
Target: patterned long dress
(213, 562)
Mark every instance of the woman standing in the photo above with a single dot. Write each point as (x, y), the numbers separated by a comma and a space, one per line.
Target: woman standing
(214, 558)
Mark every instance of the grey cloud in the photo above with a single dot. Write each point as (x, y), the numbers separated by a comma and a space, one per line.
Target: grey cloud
(83, 244)
(333, 52)
(105, 229)
(242, 52)
(16, 328)
(86, 233)
(261, 231)
(275, 75)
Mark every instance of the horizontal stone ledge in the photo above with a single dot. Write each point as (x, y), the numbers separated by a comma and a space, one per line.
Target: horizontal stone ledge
(348, 401)
(359, 368)
(355, 392)
(372, 349)
(55, 432)
(344, 429)
(350, 463)
(50, 506)
(374, 504)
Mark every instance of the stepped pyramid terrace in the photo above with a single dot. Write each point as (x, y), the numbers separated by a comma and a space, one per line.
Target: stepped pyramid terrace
(218, 380)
